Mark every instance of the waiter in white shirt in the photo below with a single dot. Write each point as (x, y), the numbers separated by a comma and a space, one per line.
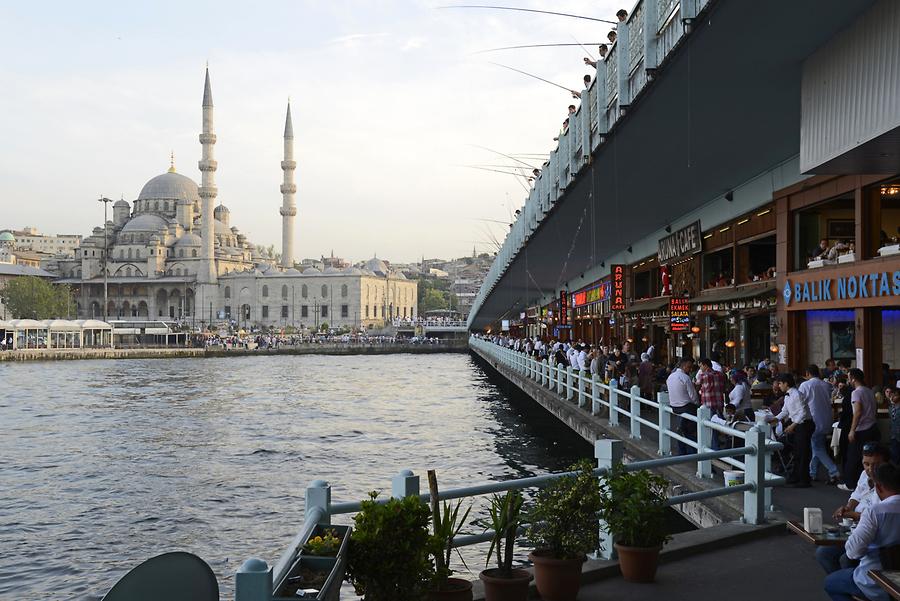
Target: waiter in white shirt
(683, 398)
(799, 431)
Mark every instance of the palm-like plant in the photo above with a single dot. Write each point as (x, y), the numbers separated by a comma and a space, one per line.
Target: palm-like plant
(505, 518)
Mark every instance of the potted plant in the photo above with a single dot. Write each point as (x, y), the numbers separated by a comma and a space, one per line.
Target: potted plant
(446, 525)
(503, 583)
(389, 556)
(318, 570)
(564, 529)
(633, 507)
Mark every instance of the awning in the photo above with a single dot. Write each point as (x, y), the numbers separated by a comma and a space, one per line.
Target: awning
(731, 294)
(648, 305)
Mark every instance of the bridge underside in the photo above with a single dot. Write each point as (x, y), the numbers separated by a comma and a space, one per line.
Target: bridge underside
(724, 109)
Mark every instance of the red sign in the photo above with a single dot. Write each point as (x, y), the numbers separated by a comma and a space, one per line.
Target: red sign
(563, 307)
(679, 314)
(579, 298)
(618, 287)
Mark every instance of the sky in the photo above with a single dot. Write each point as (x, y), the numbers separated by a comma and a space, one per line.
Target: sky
(391, 100)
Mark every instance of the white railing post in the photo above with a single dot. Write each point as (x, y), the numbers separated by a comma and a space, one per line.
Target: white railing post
(635, 411)
(609, 453)
(545, 373)
(318, 495)
(253, 581)
(560, 382)
(755, 474)
(570, 383)
(613, 402)
(595, 395)
(581, 398)
(704, 441)
(405, 484)
(665, 424)
(766, 429)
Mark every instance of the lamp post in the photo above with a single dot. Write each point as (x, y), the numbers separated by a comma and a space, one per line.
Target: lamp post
(105, 202)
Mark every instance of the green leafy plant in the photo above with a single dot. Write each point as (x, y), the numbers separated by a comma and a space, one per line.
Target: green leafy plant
(446, 524)
(565, 514)
(505, 518)
(326, 544)
(633, 507)
(390, 550)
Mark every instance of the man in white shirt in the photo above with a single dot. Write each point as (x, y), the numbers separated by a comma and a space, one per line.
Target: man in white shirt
(582, 358)
(878, 529)
(818, 398)
(833, 558)
(683, 398)
(799, 431)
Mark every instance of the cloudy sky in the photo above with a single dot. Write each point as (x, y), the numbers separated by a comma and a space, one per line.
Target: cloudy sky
(389, 100)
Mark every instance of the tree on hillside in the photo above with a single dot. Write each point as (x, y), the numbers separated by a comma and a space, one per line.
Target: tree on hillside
(30, 297)
(434, 299)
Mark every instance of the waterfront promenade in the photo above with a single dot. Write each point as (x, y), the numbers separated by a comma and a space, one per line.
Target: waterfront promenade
(333, 348)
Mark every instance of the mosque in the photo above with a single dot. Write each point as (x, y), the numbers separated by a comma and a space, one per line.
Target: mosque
(173, 257)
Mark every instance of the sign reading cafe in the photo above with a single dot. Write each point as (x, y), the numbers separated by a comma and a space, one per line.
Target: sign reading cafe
(683, 243)
(618, 287)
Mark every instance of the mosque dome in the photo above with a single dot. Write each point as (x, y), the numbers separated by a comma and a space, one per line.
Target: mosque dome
(352, 271)
(148, 222)
(190, 239)
(291, 271)
(7, 237)
(311, 271)
(221, 209)
(170, 186)
(121, 203)
(330, 270)
(399, 275)
(376, 266)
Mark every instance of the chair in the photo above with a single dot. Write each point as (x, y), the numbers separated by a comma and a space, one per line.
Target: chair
(175, 576)
(890, 557)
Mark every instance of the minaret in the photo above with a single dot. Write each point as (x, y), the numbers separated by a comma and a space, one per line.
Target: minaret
(207, 273)
(288, 208)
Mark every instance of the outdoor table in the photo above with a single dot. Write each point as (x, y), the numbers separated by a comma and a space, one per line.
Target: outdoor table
(820, 540)
(889, 580)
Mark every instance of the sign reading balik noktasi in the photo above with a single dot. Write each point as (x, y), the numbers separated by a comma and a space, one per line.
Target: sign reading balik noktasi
(682, 243)
(880, 284)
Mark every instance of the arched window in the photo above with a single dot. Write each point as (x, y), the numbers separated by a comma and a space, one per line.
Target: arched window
(121, 253)
(165, 205)
(284, 292)
(156, 205)
(137, 254)
(265, 291)
(324, 291)
(178, 271)
(128, 272)
(227, 291)
(304, 292)
(194, 253)
(180, 253)
(344, 291)
(129, 253)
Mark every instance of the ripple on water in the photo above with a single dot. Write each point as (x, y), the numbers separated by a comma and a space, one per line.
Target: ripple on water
(107, 463)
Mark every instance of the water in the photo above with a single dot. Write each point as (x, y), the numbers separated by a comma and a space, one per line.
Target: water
(106, 463)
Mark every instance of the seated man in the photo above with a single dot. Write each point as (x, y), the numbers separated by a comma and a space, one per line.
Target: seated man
(863, 497)
(878, 529)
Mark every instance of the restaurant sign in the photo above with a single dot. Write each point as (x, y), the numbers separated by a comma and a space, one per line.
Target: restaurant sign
(563, 307)
(618, 287)
(881, 284)
(679, 314)
(595, 294)
(683, 243)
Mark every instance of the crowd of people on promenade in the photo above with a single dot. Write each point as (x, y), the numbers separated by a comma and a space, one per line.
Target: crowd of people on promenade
(827, 418)
(264, 341)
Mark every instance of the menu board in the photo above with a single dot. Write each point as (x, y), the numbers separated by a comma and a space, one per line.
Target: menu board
(679, 314)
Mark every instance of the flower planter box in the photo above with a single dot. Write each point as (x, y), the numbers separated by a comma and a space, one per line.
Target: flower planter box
(322, 573)
(891, 249)
(847, 258)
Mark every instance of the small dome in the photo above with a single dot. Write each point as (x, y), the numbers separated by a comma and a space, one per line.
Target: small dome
(7, 237)
(146, 222)
(170, 186)
(190, 239)
(376, 266)
(121, 203)
(311, 271)
(221, 209)
(291, 271)
(330, 270)
(398, 275)
(352, 271)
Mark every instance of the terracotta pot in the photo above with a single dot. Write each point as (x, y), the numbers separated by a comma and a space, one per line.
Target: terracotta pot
(556, 579)
(638, 564)
(456, 589)
(497, 588)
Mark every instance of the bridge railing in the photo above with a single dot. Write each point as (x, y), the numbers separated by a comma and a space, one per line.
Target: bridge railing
(653, 29)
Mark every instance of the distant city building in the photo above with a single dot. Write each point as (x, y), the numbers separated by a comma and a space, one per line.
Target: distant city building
(29, 239)
(11, 267)
(172, 256)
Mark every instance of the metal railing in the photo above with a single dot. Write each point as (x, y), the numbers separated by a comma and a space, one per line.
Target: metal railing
(255, 580)
(652, 31)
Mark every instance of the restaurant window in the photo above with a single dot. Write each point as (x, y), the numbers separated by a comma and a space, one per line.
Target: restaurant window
(885, 223)
(825, 230)
(718, 268)
(345, 311)
(646, 284)
(756, 260)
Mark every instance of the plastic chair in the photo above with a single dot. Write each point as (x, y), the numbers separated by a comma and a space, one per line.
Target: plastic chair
(177, 576)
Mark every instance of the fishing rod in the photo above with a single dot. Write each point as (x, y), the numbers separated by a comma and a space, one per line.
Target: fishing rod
(530, 166)
(516, 175)
(533, 76)
(532, 10)
(534, 46)
(590, 56)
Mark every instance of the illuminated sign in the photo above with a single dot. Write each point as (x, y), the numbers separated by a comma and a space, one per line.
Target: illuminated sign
(880, 284)
(563, 307)
(618, 287)
(679, 314)
(595, 294)
(685, 242)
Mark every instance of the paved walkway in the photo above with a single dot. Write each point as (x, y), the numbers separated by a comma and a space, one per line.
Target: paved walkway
(780, 567)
